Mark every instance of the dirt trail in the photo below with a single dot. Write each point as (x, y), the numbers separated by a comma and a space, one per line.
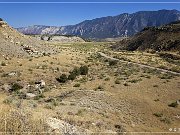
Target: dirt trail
(141, 65)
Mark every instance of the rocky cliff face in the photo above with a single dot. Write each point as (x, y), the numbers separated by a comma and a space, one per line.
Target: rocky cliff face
(109, 27)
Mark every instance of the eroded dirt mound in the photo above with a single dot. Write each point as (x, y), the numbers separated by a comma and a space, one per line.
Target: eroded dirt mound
(15, 44)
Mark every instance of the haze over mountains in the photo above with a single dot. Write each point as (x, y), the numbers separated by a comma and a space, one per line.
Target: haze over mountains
(108, 27)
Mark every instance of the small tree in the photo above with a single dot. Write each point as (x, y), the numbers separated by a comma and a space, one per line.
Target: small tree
(74, 73)
(16, 87)
(72, 76)
(62, 79)
(83, 70)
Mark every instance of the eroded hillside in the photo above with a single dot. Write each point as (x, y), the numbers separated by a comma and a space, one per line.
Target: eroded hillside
(164, 38)
(15, 44)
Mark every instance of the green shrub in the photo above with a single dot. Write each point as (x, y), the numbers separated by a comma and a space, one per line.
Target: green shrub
(76, 85)
(135, 80)
(107, 79)
(16, 87)
(3, 63)
(175, 69)
(62, 79)
(174, 104)
(74, 73)
(165, 120)
(117, 81)
(166, 76)
(39, 97)
(72, 76)
(158, 114)
(83, 70)
(8, 101)
(112, 62)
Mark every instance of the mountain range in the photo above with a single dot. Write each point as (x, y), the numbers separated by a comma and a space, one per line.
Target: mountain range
(109, 27)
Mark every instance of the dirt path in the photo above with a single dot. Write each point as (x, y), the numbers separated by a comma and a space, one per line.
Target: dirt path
(141, 65)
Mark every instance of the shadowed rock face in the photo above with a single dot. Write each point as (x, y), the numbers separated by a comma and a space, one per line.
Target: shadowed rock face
(111, 26)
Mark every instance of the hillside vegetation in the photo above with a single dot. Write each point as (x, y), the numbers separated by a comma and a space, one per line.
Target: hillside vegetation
(163, 38)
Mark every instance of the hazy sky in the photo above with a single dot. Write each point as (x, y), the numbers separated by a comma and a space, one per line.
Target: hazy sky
(18, 15)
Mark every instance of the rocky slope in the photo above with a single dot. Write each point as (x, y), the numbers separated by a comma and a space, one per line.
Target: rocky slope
(15, 44)
(59, 38)
(164, 38)
(111, 26)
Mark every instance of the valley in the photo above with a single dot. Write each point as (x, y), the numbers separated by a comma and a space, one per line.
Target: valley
(113, 97)
(122, 76)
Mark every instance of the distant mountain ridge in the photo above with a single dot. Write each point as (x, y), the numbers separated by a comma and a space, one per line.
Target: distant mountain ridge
(109, 27)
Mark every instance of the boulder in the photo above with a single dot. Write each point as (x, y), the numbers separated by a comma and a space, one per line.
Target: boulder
(6, 87)
(40, 83)
(30, 95)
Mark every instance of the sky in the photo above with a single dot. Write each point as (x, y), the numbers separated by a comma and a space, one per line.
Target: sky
(61, 14)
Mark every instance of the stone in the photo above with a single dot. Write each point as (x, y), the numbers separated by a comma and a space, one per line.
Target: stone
(62, 126)
(40, 83)
(12, 74)
(30, 95)
(6, 87)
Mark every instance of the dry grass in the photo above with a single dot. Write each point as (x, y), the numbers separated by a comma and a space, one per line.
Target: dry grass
(110, 98)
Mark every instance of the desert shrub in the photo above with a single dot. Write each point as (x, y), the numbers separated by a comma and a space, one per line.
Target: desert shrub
(3, 63)
(76, 85)
(74, 73)
(8, 100)
(155, 86)
(135, 80)
(1, 19)
(166, 76)
(107, 79)
(175, 69)
(169, 56)
(117, 81)
(49, 106)
(16, 87)
(112, 62)
(72, 76)
(39, 97)
(62, 79)
(165, 120)
(158, 114)
(174, 104)
(83, 70)
(80, 112)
